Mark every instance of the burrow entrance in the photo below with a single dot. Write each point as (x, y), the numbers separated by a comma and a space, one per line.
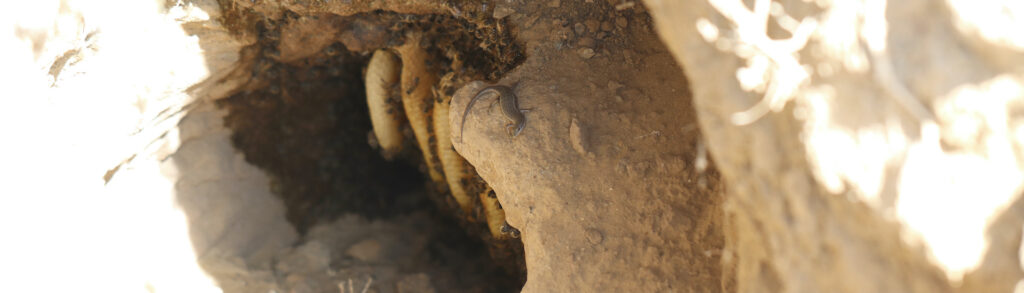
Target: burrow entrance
(302, 118)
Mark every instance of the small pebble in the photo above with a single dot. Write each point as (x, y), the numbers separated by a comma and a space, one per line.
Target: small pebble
(586, 42)
(614, 86)
(586, 53)
(367, 250)
(606, 26)
(621, 22)
(595, 236)
(503, 11)
(577, 137)
(592, 25)
(579, 28)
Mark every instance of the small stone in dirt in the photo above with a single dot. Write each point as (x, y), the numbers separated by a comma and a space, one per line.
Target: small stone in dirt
(595, 236)
(592, 25)
(586, 42)
(367, 250)
(579, 28)
(614, 86)
(621, 22)
(555, 3)
(607, 26)
(503, 11)
(577, 137)
(625, 5)
(586, 53)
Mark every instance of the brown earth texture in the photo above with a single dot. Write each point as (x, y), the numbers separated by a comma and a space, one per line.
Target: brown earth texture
(532, 146)
(601, 183)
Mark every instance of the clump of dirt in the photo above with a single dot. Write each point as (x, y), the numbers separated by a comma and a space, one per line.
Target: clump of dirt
(607, 181)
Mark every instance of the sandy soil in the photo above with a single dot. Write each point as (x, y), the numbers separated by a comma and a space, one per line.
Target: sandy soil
(603, 179)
